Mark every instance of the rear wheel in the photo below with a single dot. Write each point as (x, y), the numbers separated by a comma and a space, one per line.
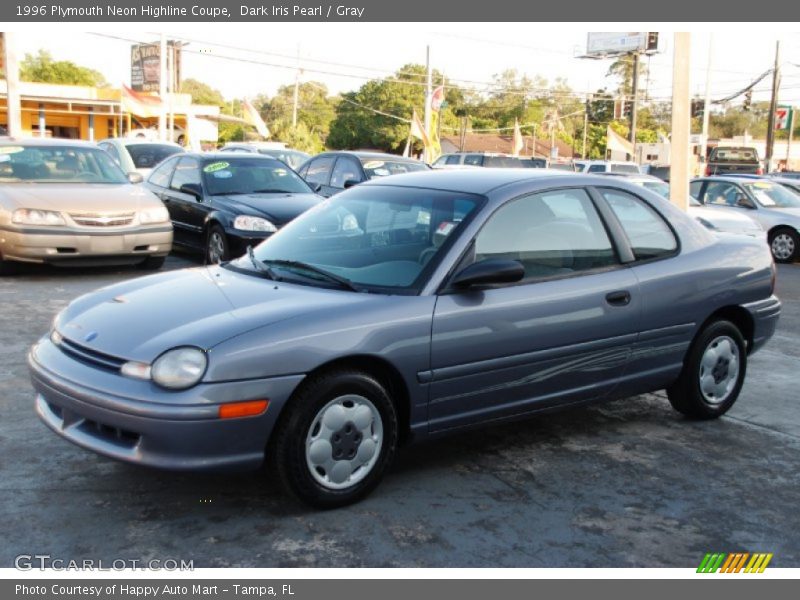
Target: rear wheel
(336, 442)
(713, 373)
(784, 245)
(216, 245)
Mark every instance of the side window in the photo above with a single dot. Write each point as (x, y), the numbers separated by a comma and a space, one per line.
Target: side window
(319, 170)
(721, 193)
(345, 169)
(473, 159)
(694, 189)
(187, 171)
(453, 159)
(552, 233)
(597, 168)
(111, 150)
(161, 175)
(648, 233)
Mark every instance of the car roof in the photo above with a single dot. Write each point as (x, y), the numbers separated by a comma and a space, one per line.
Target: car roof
(140, 142)
(45, 142)
(733, 178)
(632, 176)
(479, 181)
(368, 154)
(222, 155)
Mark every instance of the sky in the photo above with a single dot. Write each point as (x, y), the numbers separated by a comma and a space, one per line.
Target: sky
(345, 55)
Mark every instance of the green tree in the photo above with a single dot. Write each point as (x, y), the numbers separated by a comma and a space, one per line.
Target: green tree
(315, 111)
(202, 93)
(41, 67)
(357, 125)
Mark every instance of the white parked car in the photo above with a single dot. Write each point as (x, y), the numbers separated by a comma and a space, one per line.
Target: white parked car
(607, 166)
(138, 155)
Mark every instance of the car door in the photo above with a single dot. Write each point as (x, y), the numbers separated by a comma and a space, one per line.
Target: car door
(187, 211)
(318, 173)
(563, 334)
(346, 169)
(727, 197)
(668, 287)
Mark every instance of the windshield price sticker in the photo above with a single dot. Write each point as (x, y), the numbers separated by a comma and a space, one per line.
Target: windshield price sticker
(217, 166)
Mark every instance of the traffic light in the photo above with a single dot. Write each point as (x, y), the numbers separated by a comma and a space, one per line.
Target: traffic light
(627, 107)
(748, 100)
(697, 108)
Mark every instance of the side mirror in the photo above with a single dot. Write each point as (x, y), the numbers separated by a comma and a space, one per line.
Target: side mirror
(317, 187)
(350, 183)
(135, 177)
(490, 271)
(193, 189)
(743, 202)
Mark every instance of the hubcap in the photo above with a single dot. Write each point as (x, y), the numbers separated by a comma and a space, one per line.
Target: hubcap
(344, 441)
(782, 246)
(719, 370)
(216, 247)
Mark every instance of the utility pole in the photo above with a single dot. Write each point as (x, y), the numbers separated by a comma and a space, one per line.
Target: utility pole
(789, 141)
(707, 101)
(14, 105)
(773, 106)
(428, 92)
(162, 90)
(681, 122)
(585, 124)
(296, 90)
(635, 105)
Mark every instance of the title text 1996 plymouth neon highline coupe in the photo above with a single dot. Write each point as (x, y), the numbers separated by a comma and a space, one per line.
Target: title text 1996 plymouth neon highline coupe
(404, 308)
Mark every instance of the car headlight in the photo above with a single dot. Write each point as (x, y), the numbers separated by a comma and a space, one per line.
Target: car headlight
(247, 223)
(179, 368)
(154, 215)
(34, 216)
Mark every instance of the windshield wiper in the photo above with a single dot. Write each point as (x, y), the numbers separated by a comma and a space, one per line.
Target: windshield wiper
(260, 266)
(269, 191)
(342, 281)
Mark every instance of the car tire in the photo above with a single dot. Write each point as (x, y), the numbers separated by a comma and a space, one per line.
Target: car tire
(335, 422)
(784, 244)
(713, 372)
(8, 267)
(217, 249)
(152, 263)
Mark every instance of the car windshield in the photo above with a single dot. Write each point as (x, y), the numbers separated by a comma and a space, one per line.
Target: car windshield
(292, 158)
(772, 195)
(659, 187)
(375, 168)
(147, 156)
(57, 164)
(379, 238)
(251, 175)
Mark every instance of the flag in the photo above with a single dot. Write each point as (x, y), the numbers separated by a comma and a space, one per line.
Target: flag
(437, 98)
(251, 115)
(418, 131)
(434, 150)
(517, 145)
(141, 105)
(615, 141)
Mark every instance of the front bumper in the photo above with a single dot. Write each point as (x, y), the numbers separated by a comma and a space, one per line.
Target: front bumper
(138, 422)
(42, 245)
(239, 240)
(765, 314)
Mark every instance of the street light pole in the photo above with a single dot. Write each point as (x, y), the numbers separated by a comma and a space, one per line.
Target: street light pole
(635, 102)
(707, 101)
(14, 104)
(428, 92)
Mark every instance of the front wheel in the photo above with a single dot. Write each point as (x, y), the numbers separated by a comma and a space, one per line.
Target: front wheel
(216, 245)
(337, 439)
(784, 245)
(713, 373)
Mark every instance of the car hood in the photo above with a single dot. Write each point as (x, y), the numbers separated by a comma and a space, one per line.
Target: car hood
(728, 221)
(279, 208)
(204, 306)
(94, 197)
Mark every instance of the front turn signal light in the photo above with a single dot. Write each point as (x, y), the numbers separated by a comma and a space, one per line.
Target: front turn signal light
(235, 410)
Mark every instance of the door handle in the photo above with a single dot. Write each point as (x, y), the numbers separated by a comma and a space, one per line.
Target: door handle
(619, 298)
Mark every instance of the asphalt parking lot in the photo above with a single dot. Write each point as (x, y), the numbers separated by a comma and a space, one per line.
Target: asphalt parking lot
(625, 484)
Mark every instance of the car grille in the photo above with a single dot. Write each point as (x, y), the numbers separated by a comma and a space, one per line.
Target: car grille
(102, 220)
(90, 356)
